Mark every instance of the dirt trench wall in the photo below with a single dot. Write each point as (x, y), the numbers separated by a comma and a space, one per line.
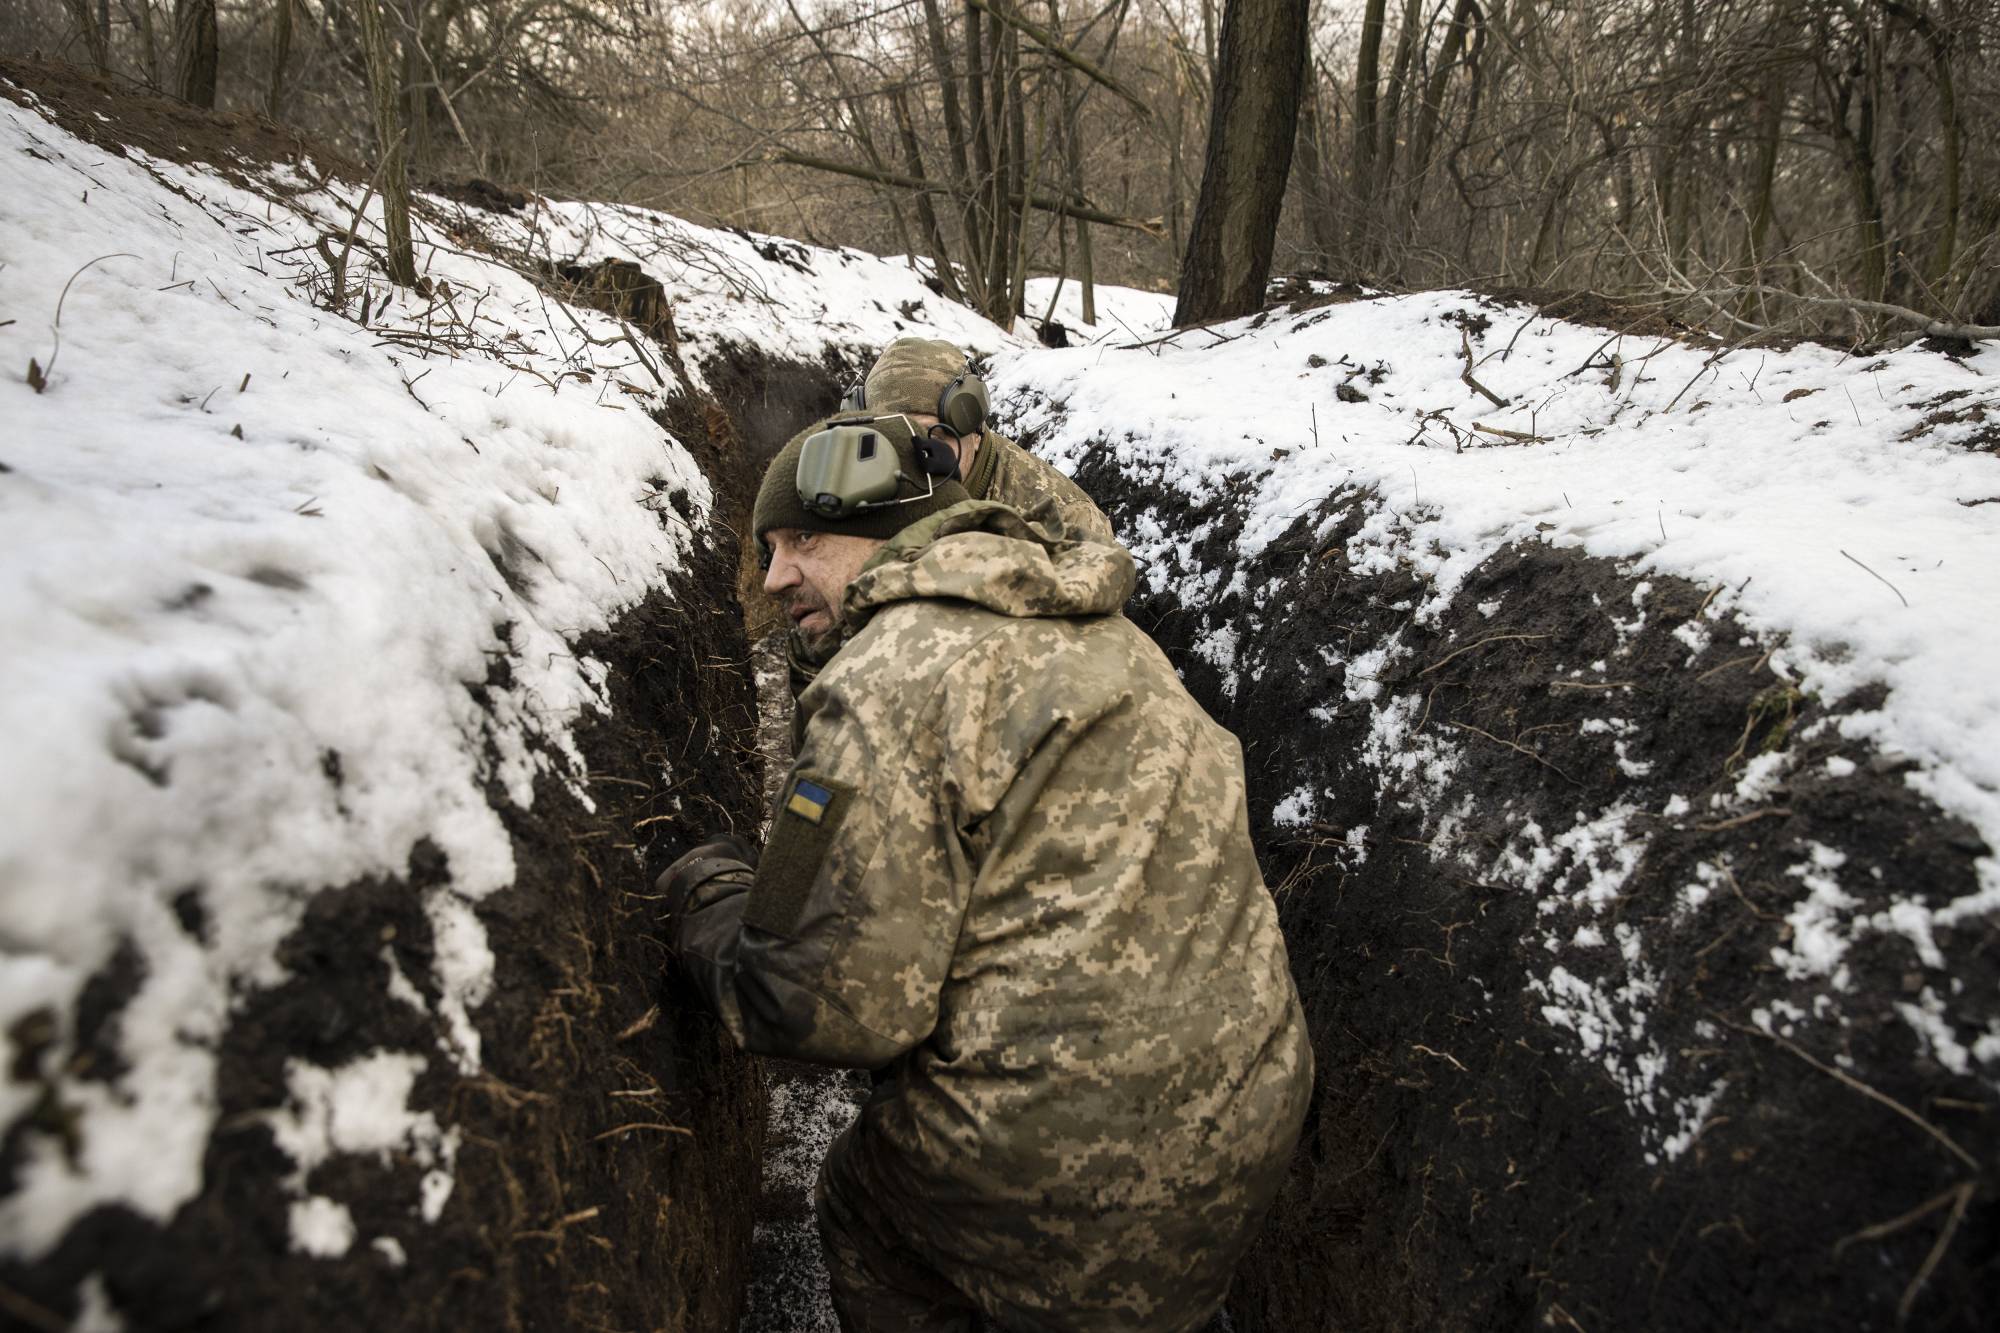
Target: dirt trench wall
(556, 1216)
(602, 1163)
(1547, 866)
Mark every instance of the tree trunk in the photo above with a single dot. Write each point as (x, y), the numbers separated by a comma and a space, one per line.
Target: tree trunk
(986, 186)
(955, 142)
(281, 56)
(1320, 187)
(1762, 210)
(416, 94)
(148, 42)
(1938, 41)
(1016, 214)
(95, 42)
(1428, 117)
(1073, 165)
(913, 159)
(386, 97)
(1259, 77)
(1367, 73)
(196, 52)
(1400, 73)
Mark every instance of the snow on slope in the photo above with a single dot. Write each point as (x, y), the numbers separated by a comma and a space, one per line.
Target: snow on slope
(254, 555)
(788, 298)
(1825, 498)
(1124, 314)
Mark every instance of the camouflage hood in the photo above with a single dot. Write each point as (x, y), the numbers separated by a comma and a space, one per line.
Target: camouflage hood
(984, 553)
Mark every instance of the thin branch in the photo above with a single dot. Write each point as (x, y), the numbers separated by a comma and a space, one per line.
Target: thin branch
(1051, 43)
(1154, 227)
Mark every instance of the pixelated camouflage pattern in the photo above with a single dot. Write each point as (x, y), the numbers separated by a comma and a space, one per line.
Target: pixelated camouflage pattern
(1006, 472)
(1042, 919)
(1003, 471)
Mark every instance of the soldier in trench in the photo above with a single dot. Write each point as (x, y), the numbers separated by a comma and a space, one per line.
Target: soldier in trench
(1011, 873)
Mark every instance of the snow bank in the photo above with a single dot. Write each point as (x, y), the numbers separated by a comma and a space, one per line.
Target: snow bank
(786, 298)
(1820, 495)
(1124, 314)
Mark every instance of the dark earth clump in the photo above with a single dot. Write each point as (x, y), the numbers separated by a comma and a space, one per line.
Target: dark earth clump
(481, 193)
(1472, 1163)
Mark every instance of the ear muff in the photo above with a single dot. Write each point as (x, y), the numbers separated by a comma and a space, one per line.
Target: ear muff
(936, 458)
(962, 406)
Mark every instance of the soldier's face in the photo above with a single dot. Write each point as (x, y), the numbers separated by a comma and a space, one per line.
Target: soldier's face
(810, 572)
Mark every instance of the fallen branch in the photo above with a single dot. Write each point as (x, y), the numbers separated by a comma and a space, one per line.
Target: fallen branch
(1768, 812)
(1884, 582)
(1520, 435)
(1926, 325)
(1862, 1088)
(643, 1124)
(1465, 376)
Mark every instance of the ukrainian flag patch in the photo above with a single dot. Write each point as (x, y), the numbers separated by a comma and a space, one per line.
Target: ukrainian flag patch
(811, 813)
(809, 800)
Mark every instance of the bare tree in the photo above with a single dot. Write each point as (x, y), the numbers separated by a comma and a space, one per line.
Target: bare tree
(1260, 70)
(386, 96)
(197, 52)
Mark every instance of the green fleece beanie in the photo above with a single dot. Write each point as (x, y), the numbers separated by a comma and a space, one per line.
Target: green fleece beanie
(910, 374)
(778, 504)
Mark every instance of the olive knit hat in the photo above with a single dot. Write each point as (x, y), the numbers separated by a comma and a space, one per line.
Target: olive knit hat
(778, 504)
(910, 374)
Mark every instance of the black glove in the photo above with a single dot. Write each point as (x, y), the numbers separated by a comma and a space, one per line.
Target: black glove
(720, 856)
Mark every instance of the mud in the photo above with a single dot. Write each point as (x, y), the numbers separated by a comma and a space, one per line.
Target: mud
(1470, 1164)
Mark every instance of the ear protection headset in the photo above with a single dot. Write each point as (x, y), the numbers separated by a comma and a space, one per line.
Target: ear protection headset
(852, 466)
(961, 409)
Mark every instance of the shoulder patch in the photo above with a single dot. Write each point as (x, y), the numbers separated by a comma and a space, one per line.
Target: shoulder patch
(808, 818)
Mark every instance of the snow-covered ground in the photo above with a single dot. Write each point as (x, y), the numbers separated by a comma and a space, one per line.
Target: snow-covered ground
(1124, 314)
(255, 548)
(1831, 501)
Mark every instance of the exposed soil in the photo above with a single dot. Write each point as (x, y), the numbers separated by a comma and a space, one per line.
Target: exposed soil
(1979, 416)
(117, 118)
(1470, 1165)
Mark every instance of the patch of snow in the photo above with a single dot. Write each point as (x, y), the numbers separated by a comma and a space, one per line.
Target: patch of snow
(94, 1312)
(1296, 809)
(320, 1227)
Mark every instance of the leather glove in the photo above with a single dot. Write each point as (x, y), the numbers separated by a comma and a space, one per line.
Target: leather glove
(725, 854)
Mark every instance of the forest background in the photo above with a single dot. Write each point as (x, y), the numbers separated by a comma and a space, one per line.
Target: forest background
(1829, 167)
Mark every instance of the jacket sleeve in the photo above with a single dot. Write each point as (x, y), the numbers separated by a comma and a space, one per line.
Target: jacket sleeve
(837, 951)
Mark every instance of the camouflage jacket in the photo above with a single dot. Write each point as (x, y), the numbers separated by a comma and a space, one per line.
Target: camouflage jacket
(1006, 472)
(1012, 869)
